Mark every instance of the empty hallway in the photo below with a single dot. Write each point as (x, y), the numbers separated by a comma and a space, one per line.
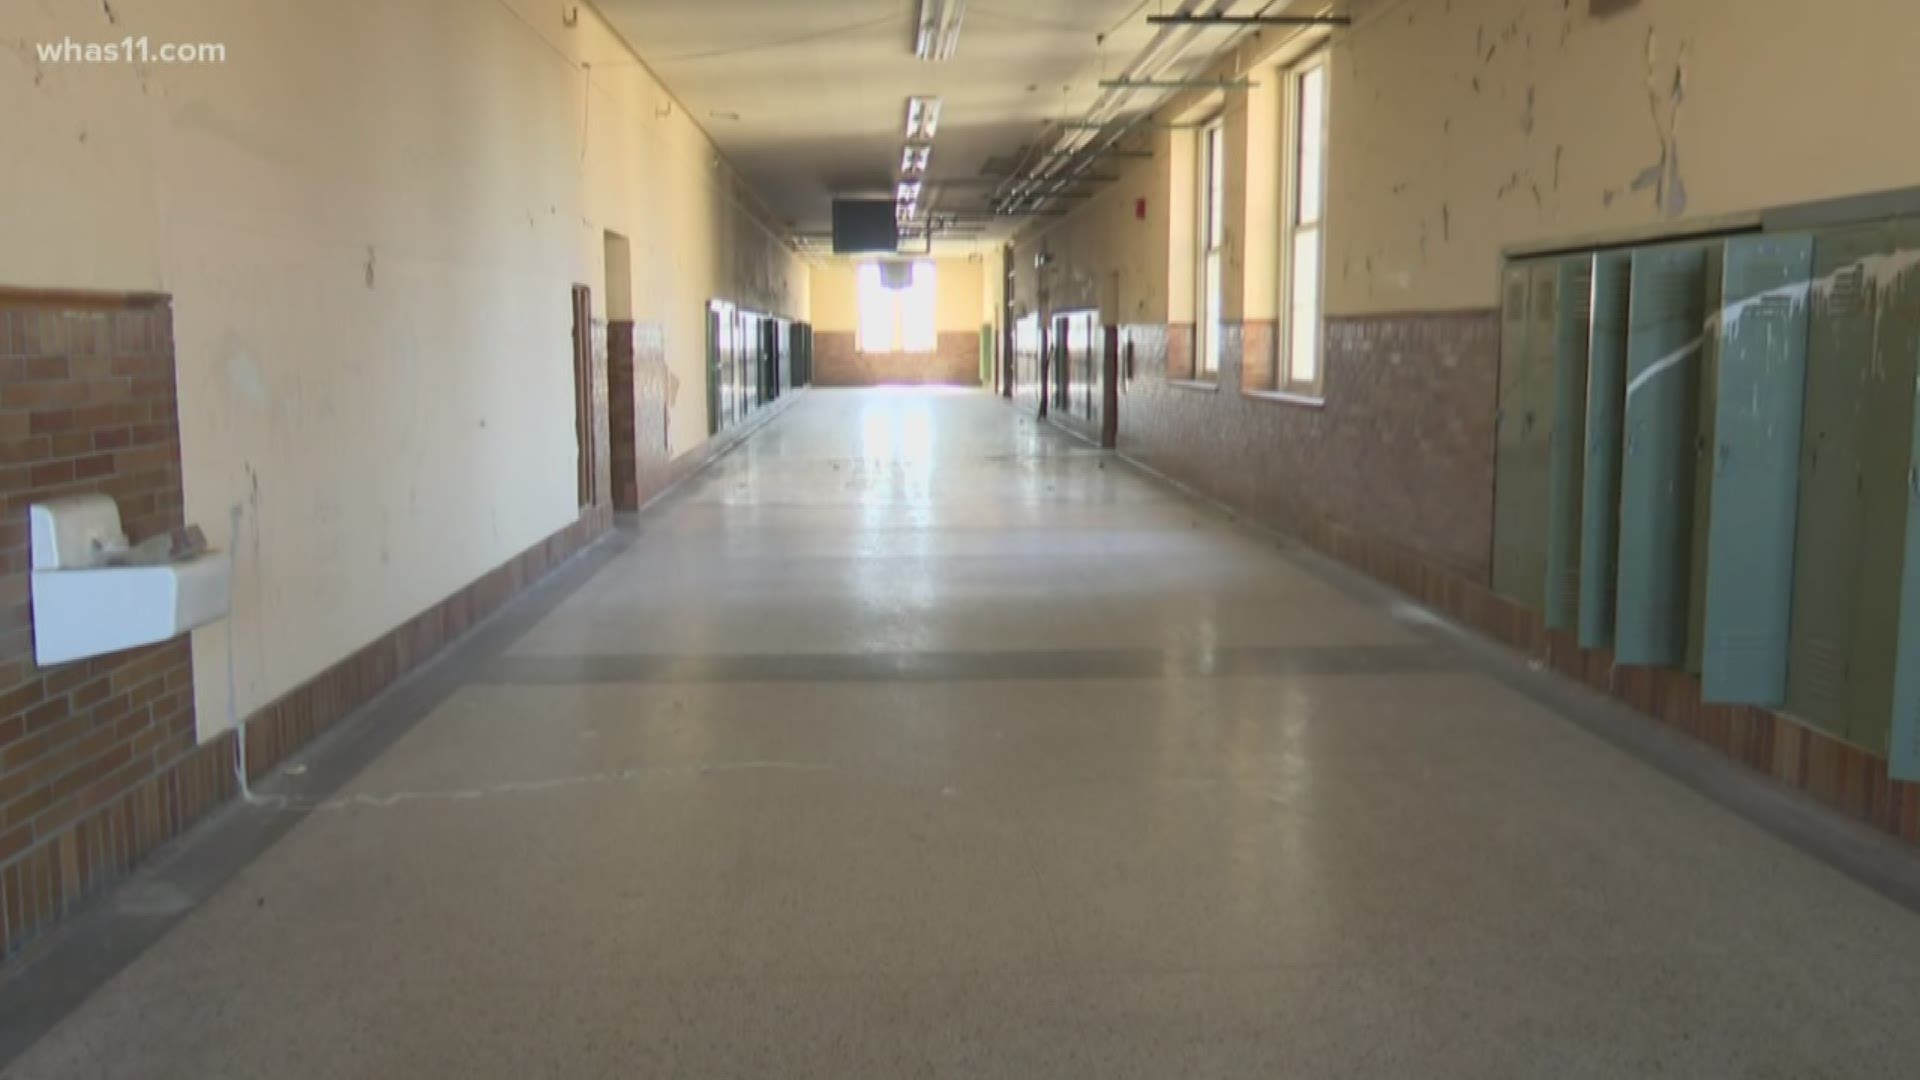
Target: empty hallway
(953, 747)
(896, 538)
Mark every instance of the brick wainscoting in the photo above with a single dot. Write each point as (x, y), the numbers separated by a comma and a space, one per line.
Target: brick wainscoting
(638, 388)
(98, 759)
(1400, 451)
(955, 361)
(1393, 474)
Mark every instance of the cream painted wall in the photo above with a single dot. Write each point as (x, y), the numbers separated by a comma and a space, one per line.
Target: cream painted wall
(369, 217)
(1461, 128)
(1458, 129)
(959, 288)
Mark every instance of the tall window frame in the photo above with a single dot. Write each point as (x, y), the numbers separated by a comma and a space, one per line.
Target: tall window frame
(1301, 367)
(1209, 245)
(899, 320)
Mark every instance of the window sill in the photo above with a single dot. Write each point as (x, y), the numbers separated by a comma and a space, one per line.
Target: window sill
(1288, 397)
(1194, 384)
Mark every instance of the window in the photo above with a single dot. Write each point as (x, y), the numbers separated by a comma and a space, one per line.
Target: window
(1212, 236)
(1302, 248)
(897, 303)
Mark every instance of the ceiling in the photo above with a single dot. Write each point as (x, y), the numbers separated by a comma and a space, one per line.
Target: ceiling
(808, 98)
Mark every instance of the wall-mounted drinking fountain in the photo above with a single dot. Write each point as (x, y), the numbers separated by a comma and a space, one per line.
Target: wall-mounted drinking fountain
(93, 593)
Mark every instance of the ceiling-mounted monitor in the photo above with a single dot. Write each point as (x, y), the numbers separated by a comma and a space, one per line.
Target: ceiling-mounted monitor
(864, 225)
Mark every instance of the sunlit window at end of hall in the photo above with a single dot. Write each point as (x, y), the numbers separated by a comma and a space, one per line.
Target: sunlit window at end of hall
(897, 307)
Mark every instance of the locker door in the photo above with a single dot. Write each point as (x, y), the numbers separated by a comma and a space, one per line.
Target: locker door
(1665, 335)
(1606, 404)
(1828, 586)
(1903, 745)
(1707, 389)
(1524, 425)
(1572, 327)
(1756, 469)
(716, 368)
(1887, 440)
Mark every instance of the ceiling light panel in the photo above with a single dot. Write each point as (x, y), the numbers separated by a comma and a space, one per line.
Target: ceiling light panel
(923, 118)
(937, 31)
(913, 159)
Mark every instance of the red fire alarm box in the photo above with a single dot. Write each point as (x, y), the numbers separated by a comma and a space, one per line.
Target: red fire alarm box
(1140, 208)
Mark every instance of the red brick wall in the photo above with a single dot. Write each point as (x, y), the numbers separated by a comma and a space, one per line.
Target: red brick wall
(955, 361)
(639, 382)
(86, 405)
(621, 401)
(1401, 450)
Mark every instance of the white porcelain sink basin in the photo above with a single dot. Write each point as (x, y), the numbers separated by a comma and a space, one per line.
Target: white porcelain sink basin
(82, 613)
(82, 609)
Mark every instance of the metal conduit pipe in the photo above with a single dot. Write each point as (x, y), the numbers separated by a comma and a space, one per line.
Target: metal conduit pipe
(1033, 194)
(1103, 104)
(1079, 150)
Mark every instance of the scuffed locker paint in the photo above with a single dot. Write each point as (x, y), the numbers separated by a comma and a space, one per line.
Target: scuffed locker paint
(1572, 328)
(1524, 429)
(1903, 743)
(1756, 469)
(1665, 336)
(1855, 444)
(1703, 440)
(1606, 402)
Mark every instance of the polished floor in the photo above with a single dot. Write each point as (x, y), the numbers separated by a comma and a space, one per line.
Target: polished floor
(915, 738)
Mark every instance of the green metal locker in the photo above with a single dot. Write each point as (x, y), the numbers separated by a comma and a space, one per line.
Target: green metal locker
(1903, 745)
(1888, 479)
(1525, 424)
(1854, 453)
(1606, 402)
(1572, 327)
(1703, 442)
(1665, 335)
(1756, 468)
(716, 318)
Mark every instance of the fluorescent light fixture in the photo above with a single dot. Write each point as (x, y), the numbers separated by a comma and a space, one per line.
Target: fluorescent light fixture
(923, 117)
(914, 159)
(937, 31)
(908, 192)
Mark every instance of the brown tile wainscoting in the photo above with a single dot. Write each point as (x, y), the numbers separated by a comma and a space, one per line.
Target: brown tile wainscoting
(1402, 447)
(955, 361)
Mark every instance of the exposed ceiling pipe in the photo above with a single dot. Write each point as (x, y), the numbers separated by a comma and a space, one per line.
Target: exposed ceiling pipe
(1105, 103)
(1249, 20)
(1170, 44)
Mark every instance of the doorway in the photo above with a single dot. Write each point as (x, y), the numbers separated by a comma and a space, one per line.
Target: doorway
(587, 470)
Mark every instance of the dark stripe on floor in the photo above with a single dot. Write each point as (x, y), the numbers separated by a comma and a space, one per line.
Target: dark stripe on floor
(917, 667)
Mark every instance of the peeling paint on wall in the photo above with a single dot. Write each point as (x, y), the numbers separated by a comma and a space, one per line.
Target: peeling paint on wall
(1665, 94)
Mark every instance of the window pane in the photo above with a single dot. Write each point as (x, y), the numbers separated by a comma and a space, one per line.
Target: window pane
(1216, 185)
(876, 310)
(919, 305)
(1210, 333)
(1311, 157)
(1303, 314)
